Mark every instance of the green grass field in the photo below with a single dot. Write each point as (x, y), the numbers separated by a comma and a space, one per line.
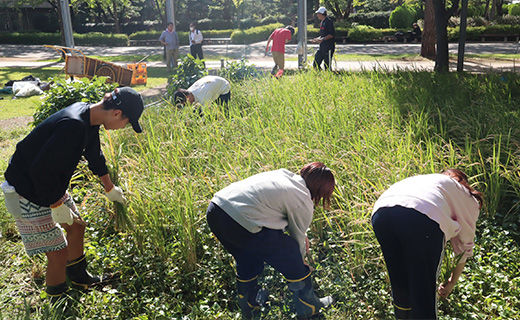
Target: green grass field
(371, 128)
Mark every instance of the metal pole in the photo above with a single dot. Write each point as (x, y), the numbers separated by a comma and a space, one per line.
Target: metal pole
(170, 12)
(302, 33)
(67, 23)
(462, 35)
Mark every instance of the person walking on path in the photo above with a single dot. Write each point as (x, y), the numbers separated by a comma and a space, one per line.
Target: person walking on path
(412, 220)
(196, 39)
(39, 173)
(170, 41)
(249, 218)
(204, 91)
(279, 37)
(326, 40)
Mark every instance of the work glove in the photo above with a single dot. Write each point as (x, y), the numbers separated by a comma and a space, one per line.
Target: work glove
(63, 214)
(116, 194)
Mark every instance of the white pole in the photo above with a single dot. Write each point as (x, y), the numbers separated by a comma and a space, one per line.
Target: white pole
(67, 23)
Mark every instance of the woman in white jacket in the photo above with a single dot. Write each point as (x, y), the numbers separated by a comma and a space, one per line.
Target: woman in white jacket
(412, 220)
(249, 218)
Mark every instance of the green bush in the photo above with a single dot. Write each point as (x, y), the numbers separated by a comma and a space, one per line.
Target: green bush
(472, 33)
(238, 70)
(215, 24)
(514, 9)
(30, 38)
(255, 34)
(87, 39)
(183, 36)
(402, 17)
(378, 19)
(188, 71)
(98, 38)
(364, 33)
(64, 93)
(145, 35)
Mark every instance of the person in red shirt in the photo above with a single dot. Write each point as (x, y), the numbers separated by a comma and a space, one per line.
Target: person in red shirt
(279, 37)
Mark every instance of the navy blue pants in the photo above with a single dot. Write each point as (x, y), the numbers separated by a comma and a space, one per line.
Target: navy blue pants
(323, 55)
(412, 246)
(251, 250)
(223, 99)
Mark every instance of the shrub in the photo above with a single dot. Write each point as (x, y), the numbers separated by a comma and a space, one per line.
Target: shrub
(514, 9)
(475, 11)
(402, 17)
(65, 92)
(30, 38)
(253, 34)
(145, 35)
(508, 19)
(472, 33)
(377, 19)
(94, 38)
(215, 24)
(236, 71)
(477, 22)
(98, 38)
(364, 33)
(187, 72)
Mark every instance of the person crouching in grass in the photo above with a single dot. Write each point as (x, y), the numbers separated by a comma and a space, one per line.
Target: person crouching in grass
(203, 92)
(279, 37)
(412, 220)
(249, 218)
(39, 173)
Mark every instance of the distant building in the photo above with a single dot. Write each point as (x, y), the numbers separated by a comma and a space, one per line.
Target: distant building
(19, 16)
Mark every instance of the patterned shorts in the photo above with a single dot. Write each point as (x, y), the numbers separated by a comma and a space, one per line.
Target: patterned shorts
(40, 234)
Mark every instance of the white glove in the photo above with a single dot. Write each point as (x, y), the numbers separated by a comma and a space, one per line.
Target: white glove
(63, 214)
(116, 194)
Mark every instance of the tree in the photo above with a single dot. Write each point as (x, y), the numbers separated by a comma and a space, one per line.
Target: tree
(116, 10)
(339, 8)
(428, 34)
(442, 14)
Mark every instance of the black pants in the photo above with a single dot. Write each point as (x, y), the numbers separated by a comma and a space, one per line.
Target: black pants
(412, 246)
(196, 51)
(251, 250)
(223, 99)
(323, 55)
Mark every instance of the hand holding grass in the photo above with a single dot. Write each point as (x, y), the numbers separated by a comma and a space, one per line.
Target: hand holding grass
(116, 194)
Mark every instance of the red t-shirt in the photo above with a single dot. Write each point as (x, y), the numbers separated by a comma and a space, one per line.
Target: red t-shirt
(279, 36)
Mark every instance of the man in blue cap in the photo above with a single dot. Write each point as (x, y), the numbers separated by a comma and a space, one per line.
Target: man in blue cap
(39, 173)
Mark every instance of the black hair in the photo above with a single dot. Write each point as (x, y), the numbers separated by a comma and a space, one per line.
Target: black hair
(169, 23)
(180, 96)
(290, 28)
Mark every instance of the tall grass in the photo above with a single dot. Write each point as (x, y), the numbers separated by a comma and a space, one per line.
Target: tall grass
(372, 129)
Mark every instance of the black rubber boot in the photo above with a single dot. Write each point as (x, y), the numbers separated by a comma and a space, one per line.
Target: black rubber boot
(250, 298)
(306, 302)
(402, 313)
(78, 274)
(57, 293)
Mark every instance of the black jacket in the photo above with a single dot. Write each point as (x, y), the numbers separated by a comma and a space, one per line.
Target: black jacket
(43, 163)
(326, 28)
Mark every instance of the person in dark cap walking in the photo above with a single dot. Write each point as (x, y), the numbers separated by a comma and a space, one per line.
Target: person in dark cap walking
(39, 173)
(326, 40)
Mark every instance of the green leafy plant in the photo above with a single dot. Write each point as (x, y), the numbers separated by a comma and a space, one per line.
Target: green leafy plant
(402, 17)
(65, 92)
(187, 72)
(238, 70)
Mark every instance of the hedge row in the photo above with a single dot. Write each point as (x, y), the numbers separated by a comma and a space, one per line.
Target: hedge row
(360, 33)
(89, 39)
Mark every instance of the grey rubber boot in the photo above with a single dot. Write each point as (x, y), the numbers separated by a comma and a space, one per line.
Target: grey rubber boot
(306, 302)
(250, 298)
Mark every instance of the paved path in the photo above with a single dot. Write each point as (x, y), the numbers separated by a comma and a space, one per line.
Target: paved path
(28, 55)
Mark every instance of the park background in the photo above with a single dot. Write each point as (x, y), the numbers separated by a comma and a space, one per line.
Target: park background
(372, 128)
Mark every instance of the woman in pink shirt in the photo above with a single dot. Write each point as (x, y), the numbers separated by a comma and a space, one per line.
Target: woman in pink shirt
(412, 220)
(279, 37)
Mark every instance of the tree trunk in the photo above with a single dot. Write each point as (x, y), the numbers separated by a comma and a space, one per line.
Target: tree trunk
(428, 35)
(441, 28)
(486, 10)
(117, 23)
(462, 35)
(57, 7)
